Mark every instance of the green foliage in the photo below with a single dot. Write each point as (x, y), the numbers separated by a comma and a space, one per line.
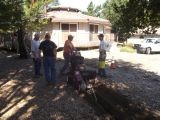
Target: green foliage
(98, 11)
(154, 14)
(20, 15)
(55, 2)
(127, 16)
(127, 48)
(10, 15)
(34, 13)
(93, 10)
(25, 14)
(112, 11)
(90, 9)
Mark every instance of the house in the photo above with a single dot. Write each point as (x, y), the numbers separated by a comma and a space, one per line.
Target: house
(84, 28)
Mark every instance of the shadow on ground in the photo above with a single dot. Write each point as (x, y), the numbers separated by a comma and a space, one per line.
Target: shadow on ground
(23, 97)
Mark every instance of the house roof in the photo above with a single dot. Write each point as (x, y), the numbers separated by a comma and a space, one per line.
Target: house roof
(70, 16)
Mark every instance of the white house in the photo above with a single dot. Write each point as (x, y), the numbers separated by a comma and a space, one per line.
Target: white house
(84, 28)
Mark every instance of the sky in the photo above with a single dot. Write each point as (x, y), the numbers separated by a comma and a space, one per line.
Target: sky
(80, 4)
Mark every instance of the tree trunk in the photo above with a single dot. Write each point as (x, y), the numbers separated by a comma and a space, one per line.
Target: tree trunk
(22, 47)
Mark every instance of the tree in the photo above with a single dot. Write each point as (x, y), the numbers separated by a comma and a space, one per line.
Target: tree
(90, 9)
(53, 3)
(10, 16)
(142, 14)
(97, 11)
(127, 16)
(154, 14)
(112, 10)
(25, 15)
(93, 10)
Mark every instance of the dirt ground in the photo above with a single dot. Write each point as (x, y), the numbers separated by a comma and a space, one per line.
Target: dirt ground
(137, 76)
(24, 97)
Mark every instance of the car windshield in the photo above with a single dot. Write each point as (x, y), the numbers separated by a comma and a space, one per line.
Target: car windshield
(149, 40)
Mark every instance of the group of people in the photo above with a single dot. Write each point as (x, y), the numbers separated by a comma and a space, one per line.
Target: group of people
(49, 57)
(49, 49)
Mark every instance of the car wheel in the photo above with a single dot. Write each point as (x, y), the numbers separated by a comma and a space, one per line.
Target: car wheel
(148, 50)
(137, 50)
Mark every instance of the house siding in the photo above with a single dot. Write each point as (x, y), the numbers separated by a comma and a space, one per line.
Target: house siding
(81, 37)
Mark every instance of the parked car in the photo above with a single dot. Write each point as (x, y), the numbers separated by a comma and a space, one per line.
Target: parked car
(148, 45)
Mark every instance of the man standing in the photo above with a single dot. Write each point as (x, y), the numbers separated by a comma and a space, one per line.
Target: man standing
(102, 56)
(68, 50)
(49, 58)
(36, 55)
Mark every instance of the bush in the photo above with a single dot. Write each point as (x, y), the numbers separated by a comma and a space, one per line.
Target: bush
(129, 45)
(127, 48)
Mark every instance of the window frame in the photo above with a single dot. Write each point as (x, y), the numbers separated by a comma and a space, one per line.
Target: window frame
(69, 28)
(93, 29)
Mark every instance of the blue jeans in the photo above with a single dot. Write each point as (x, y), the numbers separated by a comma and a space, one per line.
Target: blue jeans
(49, 69)
(66, 62)
(37, 66)
(102, 72)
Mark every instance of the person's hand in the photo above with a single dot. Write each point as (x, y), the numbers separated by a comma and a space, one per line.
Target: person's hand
(75, 49)
(35, 58)
(71, 53)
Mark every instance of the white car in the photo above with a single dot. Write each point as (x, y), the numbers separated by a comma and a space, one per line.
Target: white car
(148, 45)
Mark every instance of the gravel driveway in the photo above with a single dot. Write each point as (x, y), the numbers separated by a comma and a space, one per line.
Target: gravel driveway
(23, 97)
(137, 76)
(147, 62)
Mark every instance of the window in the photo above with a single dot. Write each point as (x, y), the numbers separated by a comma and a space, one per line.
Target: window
(93, 28)
(73, 27)
(96, 28)
(158, 41)
(69, 27)
(65, 26)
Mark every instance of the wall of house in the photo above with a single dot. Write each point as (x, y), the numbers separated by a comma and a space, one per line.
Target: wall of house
(56, 35)
(107, 34)
(45, 29)
(100, 28)
(86, 38)
(81, 37)
(54, 30)
(59, 36)
(83, 34)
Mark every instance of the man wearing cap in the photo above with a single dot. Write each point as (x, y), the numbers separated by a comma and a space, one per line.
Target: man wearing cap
(102, 56)
(36, 55)
(68, 50)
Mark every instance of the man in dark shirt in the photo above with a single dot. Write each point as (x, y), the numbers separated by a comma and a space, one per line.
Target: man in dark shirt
(49, 57)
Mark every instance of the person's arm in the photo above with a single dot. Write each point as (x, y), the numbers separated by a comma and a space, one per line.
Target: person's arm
(74, 48)
(55, 49)
(100, 46)
(105, 46)
(38, 52)
(40, 48)
(33, 49)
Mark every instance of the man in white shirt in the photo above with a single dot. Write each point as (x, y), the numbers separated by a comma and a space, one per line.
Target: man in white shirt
(36, 54)
(102, 56)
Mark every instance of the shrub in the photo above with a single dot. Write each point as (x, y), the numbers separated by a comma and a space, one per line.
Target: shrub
(127, 49)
